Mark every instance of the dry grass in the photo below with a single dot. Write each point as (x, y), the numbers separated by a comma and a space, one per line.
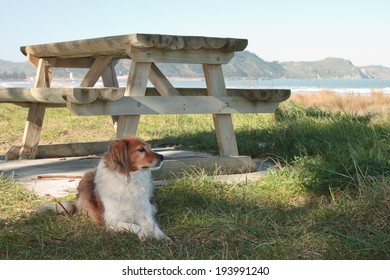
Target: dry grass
(375, 103)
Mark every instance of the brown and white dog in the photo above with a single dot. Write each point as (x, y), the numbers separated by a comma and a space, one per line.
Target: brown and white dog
(119, 191)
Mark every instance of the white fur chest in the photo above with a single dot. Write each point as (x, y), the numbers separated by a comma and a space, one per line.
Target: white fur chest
(125, 199)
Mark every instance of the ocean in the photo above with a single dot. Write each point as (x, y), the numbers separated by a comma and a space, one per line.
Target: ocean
(359, 87)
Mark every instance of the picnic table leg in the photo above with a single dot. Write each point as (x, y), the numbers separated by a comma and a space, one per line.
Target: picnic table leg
(97, 69)
(223, 122)
(110, 80)
(103, 66)
(161, 83)
(36, 112)
(32, 131)
(109, 76)
(136, 86)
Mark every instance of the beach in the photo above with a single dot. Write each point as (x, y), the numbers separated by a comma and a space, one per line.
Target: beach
(358, 87)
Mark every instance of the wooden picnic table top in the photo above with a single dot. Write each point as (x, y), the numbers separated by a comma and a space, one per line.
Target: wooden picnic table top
(118, 46)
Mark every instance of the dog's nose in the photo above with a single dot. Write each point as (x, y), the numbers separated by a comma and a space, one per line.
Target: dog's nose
(161, 157)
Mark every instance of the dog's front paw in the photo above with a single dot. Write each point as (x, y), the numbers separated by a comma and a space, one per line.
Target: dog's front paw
(164, 237)
(143, 234)
(167, 239)
(159, 235)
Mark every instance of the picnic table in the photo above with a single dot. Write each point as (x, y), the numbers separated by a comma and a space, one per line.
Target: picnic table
(100, 55)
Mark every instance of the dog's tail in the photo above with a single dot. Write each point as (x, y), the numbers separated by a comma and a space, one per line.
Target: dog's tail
(65, 207)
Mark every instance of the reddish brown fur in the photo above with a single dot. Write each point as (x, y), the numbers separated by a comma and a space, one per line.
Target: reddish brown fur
(129, 154)
(88, 200)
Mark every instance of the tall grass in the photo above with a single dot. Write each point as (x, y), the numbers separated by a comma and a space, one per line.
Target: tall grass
(375, 103)
(331, 144)
(327, 197)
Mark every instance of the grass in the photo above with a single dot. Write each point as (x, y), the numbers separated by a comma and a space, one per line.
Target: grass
(328, 196)
(375, 103)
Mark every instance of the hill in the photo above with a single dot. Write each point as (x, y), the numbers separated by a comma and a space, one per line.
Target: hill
(329, 68)
(376, 72)
(247, 64)
(244, 65)
(15, 70)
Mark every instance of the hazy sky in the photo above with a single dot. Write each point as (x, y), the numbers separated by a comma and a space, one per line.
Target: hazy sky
(300, 30)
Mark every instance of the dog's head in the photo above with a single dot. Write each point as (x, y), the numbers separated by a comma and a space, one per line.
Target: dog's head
(131, 154)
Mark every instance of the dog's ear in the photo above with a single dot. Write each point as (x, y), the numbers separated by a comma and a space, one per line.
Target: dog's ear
(118, 152)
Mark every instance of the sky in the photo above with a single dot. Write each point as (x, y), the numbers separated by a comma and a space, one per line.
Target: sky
(277, 30)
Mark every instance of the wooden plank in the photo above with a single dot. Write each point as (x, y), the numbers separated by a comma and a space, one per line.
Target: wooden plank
(116, 45)
(80, 62)
(47, 105)
(36, 112)
(53, 95)
(173, 105)
(196, 42)
(63, 150)
(32, 131)
(110, 94)
(216, 43)
(223, 122)
(110, 79)
(211, 165)
(174, 42)
(33, 59)
(170, 42)
(136, 86)
(161, 83)
(199, 56)
(138, 78)
(44, 72)
(18, 95)
(96, 71)
(256, 95)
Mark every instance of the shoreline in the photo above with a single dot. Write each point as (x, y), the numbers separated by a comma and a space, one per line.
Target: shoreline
(354, 87)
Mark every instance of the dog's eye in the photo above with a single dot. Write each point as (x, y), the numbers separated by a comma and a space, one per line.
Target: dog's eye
(141, 150)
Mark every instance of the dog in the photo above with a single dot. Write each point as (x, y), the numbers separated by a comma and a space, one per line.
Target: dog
(119, 192)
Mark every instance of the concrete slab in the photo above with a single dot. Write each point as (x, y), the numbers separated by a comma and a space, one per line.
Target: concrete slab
(58, 177)
(55, 177)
